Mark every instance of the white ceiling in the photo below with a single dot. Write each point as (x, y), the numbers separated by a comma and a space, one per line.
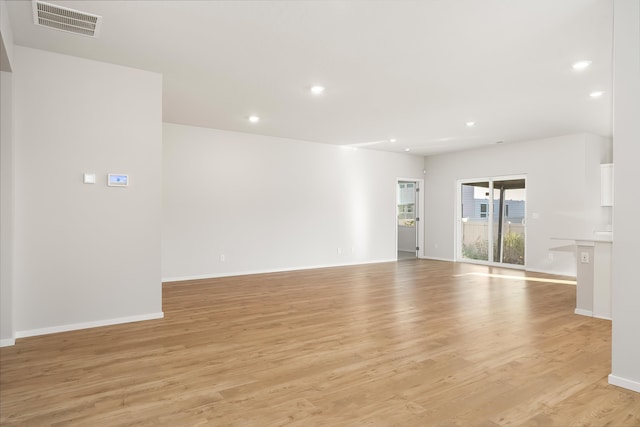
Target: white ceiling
(415, 71)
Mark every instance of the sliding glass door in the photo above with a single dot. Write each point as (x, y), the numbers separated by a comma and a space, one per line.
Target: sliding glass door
(492, 207)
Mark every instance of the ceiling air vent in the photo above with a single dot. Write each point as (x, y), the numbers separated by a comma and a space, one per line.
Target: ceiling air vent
(65, 19)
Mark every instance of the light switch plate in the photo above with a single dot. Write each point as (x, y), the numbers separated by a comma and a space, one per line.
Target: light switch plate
(89, 178)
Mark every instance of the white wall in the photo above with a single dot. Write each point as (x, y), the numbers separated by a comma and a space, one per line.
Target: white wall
(6, 179)
(563, 189)
(626, 142)
(6, 209)
(85, 255)
(274, 204)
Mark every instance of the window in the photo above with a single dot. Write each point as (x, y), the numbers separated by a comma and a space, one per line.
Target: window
(406, 214)
(506, 210)
(406, 204)
(483, 210)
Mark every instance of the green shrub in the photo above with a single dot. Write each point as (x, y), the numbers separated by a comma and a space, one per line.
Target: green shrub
(477, 250)
(513, 249)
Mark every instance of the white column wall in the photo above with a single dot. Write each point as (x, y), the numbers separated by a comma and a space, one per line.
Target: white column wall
(7, 330)
(626, 155)
(85, 255)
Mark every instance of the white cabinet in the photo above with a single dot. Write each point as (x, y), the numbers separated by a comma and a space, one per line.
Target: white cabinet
(606, 184)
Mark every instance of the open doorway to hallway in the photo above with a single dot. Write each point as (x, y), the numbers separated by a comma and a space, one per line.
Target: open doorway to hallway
(408, 202)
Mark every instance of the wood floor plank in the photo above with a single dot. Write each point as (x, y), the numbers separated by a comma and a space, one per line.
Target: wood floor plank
(413, 343)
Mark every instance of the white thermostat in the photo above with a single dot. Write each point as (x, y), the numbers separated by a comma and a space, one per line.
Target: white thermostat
(117, 180)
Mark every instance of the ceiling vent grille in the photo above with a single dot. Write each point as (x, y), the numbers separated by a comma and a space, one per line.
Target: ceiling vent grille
(65, 19)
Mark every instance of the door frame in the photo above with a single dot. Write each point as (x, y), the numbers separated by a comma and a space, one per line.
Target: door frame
(458, 221)
(419, 214)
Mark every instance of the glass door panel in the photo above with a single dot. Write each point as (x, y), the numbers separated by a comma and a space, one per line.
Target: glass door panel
(496, 221)
(475, 214)
(508, 221)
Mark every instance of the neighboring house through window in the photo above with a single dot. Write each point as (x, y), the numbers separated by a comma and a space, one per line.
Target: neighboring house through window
(483, 210)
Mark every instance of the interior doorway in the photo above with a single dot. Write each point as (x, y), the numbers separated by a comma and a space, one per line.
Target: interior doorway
(409, 227)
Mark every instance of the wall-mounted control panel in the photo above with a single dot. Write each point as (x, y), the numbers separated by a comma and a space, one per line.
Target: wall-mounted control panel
(117, 180)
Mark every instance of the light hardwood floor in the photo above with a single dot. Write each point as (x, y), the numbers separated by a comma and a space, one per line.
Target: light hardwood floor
(412, 343)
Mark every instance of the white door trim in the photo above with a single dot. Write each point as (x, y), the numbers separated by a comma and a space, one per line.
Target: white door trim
(420, 213)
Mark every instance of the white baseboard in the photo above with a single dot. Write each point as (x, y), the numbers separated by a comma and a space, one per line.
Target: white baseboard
(266, 271)
(583, 312)
(602, 317)
(555, 273)
(7, 342)
(87, 325)
(437, 259)
(624, 383)
(310, 267)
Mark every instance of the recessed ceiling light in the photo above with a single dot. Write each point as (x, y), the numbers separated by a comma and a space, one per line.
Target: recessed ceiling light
(581, 65)
(254, 119)
(596, 94)
(470, 124)
(317, 89)
(407, 149)
(392, 140)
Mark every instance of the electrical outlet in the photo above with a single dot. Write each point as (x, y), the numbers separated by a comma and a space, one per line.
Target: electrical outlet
(339, 251)
(222, 257)
(584, 257)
